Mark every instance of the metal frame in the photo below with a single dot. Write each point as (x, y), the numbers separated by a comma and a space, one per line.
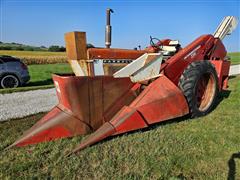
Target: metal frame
(114, 105)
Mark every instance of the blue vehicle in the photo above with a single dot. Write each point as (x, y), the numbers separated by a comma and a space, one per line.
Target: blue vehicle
(13, 72)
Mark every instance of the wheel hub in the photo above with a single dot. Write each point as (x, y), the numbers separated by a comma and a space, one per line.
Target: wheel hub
(205, 91)
(9, 81)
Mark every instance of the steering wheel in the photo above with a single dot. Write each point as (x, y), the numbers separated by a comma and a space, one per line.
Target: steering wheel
(155, 42)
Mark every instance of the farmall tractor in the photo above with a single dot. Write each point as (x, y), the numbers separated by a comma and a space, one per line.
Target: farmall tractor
(135, 88)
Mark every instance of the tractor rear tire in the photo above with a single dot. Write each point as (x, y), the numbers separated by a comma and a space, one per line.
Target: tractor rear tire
(199, 84)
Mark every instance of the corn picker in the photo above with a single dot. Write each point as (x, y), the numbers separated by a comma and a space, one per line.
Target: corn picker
(114, 91)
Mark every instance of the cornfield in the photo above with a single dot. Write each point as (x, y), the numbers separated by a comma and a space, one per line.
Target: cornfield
(37, 57)
(43, 59)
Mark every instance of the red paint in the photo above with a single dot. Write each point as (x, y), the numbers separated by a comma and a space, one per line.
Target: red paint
(128, 119)
(218, 51)
(109, 53)
(195, 51)
(46, 135)
(86, 103)
(222, 67)
(51, 114)
(155, 103)
(159, 101)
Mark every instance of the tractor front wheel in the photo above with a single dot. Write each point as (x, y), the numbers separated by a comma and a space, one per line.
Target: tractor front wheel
(199, 84)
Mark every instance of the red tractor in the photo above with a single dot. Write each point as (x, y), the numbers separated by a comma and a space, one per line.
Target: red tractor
(138, 87)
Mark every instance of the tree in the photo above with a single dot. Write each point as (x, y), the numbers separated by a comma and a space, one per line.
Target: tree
(5, 48)
(90, 45)
(19, 48)
(55, 48)
(28, 48)
(62, 49)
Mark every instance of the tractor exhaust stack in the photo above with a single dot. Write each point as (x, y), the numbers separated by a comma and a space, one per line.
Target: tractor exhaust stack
(108, 30)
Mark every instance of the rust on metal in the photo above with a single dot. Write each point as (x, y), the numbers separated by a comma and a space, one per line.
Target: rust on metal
(110, 69)
(108, 30)
(111, 53)
(85, 104)
(154, 104)
(222, 68)
(205, 91)
(111, 106)
(94, 100)
(56, 124)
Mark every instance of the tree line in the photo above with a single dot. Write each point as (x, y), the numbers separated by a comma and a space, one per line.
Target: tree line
(21, 47)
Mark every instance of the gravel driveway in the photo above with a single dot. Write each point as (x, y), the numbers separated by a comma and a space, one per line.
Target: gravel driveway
(20, 104)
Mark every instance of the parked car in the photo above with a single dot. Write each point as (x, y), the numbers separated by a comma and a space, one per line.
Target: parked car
(13, 72)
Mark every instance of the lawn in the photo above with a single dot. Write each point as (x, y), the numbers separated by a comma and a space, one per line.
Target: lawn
(203, 148)
(235, 57)
(41, 76)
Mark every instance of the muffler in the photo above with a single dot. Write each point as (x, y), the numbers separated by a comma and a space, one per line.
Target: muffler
(108, 30)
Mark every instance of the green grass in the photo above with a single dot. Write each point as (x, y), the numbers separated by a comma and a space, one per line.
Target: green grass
(235, 57)
(203, 148)
(41, 77)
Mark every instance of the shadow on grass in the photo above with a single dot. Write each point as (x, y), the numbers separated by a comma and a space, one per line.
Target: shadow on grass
(232, 77)
(232, 166)
(221, 96)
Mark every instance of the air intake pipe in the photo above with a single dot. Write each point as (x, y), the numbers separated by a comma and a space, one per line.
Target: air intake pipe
(108, 31)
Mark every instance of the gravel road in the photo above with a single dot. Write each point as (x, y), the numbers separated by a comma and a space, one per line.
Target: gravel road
(20, 104)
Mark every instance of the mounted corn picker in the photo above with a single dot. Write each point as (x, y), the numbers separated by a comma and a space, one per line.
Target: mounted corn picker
(137, 88)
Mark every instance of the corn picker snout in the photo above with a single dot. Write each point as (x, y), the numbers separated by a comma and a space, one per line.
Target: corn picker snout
(113, 91)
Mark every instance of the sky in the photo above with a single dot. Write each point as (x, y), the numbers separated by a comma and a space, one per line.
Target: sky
(44, 22)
